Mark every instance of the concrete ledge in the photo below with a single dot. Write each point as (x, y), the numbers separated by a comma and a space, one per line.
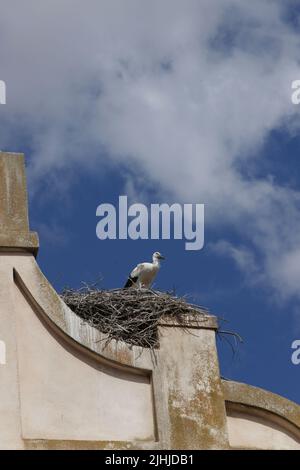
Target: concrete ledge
(243, 394)
(47, 444)
(191, 321)
(19, 242)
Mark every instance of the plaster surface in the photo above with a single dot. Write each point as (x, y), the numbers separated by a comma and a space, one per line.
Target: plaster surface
(252, 432)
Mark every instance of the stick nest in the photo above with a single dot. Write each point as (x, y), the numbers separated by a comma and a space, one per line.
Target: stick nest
(130, 315)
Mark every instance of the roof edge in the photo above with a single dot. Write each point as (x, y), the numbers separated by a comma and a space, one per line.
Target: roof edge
(241, 393)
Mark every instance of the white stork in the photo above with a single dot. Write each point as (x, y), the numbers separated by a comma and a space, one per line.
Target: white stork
(144, 273)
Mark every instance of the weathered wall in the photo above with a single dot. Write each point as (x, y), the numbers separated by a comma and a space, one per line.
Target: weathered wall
(258, 419)
(66, 388)
(195, 398)
(14, 225)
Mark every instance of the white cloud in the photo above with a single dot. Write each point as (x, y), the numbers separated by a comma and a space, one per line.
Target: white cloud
(241, 255)
(184, 92)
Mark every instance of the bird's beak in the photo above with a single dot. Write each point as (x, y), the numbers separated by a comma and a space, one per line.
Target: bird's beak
(162, 257)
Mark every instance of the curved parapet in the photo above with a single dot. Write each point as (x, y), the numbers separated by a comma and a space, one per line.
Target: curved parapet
(39, 292)
(260, 419)
(46, 302)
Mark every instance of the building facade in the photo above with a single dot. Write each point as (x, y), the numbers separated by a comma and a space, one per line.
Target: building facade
(61, 388)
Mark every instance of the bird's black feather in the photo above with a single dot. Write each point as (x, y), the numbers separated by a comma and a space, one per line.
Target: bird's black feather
(130, 281)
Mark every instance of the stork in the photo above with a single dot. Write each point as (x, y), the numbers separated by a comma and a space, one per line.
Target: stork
(144, 274)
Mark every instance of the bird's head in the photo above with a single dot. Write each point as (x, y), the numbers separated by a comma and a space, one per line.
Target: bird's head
(157, 256)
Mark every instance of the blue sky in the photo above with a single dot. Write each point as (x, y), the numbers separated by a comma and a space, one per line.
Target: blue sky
(185, 102)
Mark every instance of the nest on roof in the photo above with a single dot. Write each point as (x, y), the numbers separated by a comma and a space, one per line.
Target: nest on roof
(130, 315)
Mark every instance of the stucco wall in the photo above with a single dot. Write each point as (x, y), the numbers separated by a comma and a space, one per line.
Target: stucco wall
(65, 395)
(251, 432)
(49, 390)
(10, 426)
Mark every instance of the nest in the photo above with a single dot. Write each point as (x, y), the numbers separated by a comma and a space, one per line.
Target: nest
(130, 315)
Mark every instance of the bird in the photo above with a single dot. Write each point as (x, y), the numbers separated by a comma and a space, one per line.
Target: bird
(143, 275)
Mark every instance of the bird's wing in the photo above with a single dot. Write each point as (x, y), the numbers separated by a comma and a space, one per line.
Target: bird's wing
(134, 275)
(137, 270)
